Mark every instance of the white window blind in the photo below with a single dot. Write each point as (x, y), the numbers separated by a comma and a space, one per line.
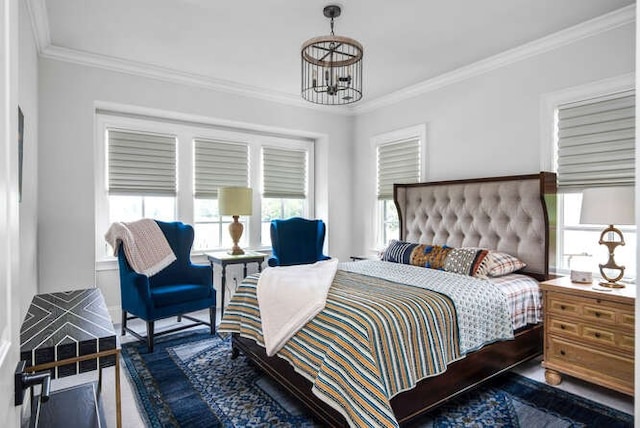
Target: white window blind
(284, 173)
(398, 162)
(596, 142)
(219, 164)
(141, 164)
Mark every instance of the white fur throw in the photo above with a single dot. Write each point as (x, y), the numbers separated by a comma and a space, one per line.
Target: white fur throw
(145, 246)
(289, 297)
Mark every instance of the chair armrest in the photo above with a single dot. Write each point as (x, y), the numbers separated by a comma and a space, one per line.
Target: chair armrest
(135, 289)
(273, 261)
(200, 274)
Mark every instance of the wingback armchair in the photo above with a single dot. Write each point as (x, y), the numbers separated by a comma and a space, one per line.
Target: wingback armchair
(297, 241)
(178, 289)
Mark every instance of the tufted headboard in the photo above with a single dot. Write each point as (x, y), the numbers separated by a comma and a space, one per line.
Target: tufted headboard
(508, 214)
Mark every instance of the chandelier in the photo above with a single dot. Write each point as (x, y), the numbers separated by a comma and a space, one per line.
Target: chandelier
(332, 67)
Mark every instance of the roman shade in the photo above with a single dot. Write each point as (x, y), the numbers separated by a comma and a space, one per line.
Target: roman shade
(141, 164)
(398, 162)
(284, 173)
(219, 164)
(596, 142)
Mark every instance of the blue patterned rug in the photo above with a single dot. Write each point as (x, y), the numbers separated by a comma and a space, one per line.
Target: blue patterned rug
(190, 381)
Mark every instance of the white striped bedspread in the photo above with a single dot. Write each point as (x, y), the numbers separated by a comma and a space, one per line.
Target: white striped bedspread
(377, 338)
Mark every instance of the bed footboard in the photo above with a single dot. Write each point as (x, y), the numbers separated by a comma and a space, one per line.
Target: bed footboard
(460, 376)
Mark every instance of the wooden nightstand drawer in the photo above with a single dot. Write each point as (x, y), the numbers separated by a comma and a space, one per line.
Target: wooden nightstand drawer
(588, 362)
(558, 304)
(563, 328)
(598, 335)
(627, 342)
(627, 319)
(599, 313)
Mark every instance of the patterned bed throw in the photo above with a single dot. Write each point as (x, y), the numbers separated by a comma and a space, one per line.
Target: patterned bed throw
(482, 308)
(373, 340)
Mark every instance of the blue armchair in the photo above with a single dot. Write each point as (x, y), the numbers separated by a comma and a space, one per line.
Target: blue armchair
(178, 289)
(297, 241)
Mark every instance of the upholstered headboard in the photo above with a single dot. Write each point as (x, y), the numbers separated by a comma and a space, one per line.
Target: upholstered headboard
(508, 214)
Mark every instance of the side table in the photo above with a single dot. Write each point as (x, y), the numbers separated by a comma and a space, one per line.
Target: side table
(589, 334)
(222, 258)
(70, 333)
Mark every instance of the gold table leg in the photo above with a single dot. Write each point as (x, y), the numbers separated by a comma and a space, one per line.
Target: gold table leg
(118, 404)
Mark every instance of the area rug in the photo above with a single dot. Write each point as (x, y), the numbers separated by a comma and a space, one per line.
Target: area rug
(190, 381)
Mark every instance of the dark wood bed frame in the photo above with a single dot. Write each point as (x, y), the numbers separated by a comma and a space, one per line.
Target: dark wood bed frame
(462, 375)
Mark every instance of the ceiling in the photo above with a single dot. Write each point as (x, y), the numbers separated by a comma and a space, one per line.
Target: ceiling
(254, 45)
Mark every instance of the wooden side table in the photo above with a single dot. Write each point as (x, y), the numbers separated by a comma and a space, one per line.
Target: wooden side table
(589, 334)
(223, 259)
(69, 333)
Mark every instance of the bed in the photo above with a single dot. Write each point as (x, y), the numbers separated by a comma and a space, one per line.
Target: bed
(511, 214)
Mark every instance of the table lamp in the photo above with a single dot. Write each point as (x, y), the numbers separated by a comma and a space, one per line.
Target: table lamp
(609, 205)
(235, 201)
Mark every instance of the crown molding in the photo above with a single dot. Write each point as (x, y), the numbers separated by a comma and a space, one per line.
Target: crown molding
(609, 21)
(39, 23)
(175, 76)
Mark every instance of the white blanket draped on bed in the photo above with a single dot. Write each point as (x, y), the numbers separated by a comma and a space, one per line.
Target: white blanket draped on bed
(145, 246)
(290, 296)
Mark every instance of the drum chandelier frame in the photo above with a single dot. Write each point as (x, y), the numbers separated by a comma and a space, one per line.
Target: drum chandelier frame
(332, 67)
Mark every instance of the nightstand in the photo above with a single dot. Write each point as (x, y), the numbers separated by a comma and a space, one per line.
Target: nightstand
(589, 334)
(222, 258)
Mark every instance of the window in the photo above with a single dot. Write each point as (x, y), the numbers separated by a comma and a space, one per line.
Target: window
(217, 164)
(142, 175)
(170, 169)
(399, 159)
(284, 180)
(595, 142)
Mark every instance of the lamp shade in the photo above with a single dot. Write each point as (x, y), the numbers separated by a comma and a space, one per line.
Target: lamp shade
(235, 200)
(608, 205)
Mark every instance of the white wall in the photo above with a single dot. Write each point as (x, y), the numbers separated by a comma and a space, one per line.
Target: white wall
(28, 101)
(487, 125)
(66, 154)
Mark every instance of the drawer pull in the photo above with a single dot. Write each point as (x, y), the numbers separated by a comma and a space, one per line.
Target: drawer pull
(597, 314)
(562, 326)
(597, 334)
(562, 352)
(563, 307)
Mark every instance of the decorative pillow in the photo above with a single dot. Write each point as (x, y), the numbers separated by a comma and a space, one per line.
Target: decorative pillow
(467, 261)
(430, 256)
(499, 264)
(398, 252)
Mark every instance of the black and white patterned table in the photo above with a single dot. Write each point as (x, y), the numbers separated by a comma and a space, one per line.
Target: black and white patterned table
(69, 333)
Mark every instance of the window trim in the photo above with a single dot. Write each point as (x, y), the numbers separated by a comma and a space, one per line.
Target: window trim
(412, 132)
(186, 129)
(549, 126)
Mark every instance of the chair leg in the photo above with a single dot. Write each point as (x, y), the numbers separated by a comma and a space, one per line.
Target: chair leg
(212, 319)
(124, 323)
(150, 336)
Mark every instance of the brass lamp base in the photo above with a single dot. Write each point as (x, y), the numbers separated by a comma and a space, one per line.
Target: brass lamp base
(612, 284)
(235, 230)
(611, 264)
